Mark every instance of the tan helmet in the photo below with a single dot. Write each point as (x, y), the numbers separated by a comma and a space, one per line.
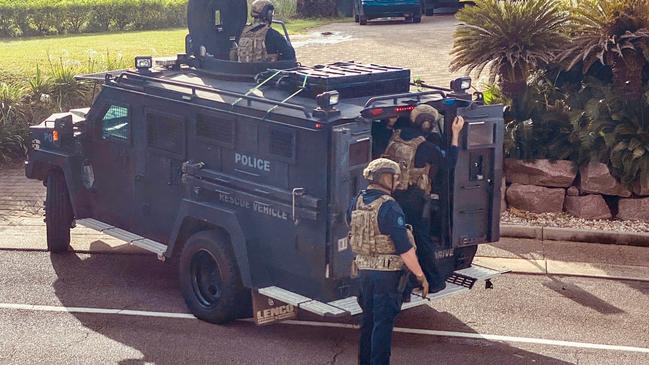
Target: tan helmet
(262, 9)
(422, 113)
(381, 166)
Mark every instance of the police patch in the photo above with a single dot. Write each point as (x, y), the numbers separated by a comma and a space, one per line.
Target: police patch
(400, 221)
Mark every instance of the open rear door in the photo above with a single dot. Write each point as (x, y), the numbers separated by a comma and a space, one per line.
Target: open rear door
(478, 175)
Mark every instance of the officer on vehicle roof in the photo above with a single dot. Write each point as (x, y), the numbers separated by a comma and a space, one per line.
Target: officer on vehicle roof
(261, 43)
(384, 247)
(420, 160)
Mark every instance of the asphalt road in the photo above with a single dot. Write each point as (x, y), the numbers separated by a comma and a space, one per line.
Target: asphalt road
(581, 310)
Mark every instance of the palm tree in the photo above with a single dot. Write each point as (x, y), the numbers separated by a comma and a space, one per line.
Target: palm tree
(509, 39)
(615, 33)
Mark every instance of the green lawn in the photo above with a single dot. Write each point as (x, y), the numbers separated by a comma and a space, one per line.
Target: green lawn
(19, 57)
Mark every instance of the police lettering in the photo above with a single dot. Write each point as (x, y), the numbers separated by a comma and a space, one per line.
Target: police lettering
(253, 162)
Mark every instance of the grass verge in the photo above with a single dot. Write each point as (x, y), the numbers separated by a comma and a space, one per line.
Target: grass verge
(19, 57)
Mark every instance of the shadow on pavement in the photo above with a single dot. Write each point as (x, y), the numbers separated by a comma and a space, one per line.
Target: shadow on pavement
(581, 296)
(142, 283)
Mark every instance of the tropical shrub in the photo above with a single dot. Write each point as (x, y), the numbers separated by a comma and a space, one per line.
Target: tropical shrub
(316, 8)
(43, 17)
(509, 40)
(614, 33)
(13, 126)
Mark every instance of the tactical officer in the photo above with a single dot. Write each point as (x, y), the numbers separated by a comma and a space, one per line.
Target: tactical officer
(420, 160)
(384, 247)
(261, 43)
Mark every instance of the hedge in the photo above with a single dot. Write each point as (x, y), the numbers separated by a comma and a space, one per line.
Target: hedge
(46, 17)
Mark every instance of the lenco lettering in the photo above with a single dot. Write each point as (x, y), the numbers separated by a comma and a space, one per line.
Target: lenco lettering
(251, 161)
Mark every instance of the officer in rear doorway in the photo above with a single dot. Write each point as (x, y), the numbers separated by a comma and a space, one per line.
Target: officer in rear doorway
(261, 43)
(384, 249)
(420, 160)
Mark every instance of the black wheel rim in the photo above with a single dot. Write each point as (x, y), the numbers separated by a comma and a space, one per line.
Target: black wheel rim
(206, 278)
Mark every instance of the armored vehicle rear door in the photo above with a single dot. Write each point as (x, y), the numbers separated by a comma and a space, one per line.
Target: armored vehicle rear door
(478, 174)
(111, 155)
(352, 151)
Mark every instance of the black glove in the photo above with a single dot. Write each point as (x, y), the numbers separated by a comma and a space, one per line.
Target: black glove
(423, 282)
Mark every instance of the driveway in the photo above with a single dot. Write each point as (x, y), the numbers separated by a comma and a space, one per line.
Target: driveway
(424, 47)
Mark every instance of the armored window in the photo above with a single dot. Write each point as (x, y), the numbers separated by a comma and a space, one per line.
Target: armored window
(214, 129)
(115, 124)
(166, 133)
(282, 143)
(359, 152)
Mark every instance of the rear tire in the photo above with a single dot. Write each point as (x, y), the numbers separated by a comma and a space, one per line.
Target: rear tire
(210, 280)
(58, 213)
(362, 20)
(416, 19)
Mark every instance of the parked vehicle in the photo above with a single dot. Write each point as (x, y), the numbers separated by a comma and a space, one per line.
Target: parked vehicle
(244, 172)
(431, 7)
(365, 10)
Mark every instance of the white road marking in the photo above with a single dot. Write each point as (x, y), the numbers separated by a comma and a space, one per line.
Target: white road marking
(417, 331)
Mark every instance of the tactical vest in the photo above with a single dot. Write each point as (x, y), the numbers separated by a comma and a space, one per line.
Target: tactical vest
(403, 152)
(252, 44)
(374, 251)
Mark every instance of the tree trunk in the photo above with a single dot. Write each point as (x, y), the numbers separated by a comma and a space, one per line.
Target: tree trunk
(627, 74)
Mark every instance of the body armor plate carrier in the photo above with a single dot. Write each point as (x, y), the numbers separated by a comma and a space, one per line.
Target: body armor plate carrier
(374, 251)
(403, 152)
(252, 45)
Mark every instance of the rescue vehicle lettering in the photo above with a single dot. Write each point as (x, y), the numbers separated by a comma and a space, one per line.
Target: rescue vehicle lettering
(250, 161)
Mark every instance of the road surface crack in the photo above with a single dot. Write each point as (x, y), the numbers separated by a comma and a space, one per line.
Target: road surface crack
(339, 350)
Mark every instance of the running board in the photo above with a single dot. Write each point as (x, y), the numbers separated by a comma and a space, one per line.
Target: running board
(349, 305)
(144, 243)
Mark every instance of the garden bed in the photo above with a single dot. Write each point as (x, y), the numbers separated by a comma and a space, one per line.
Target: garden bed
(564, 220)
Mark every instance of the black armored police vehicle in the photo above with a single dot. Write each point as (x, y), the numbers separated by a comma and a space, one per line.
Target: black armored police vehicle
(243, 171)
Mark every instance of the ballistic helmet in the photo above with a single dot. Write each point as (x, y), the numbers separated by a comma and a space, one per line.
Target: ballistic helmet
(424, 116)
(380, 166)
(262, 10)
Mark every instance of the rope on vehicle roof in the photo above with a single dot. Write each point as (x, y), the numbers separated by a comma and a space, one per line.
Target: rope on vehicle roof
(256, 88)
(306, 77)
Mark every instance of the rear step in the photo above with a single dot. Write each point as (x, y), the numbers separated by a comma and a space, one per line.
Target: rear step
(461, 281)
(152, 246)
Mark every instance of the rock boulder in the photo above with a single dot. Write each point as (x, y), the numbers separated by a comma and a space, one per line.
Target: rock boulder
(596, 179)
(540, 172)
(588, 207)
(634, 209)
(536, 199)
(572, 191)
(641, 188)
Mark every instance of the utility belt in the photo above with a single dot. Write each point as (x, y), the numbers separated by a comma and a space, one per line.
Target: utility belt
(379, 262)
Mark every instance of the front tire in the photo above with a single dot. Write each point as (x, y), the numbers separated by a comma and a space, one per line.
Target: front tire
(210, 280)
(58, 213)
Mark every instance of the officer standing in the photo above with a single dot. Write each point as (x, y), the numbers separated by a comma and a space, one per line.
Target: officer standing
(261, 43)
(420, 160)
(384, 247)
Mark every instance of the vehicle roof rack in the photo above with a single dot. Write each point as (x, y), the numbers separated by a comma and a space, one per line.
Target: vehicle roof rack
(130, 76)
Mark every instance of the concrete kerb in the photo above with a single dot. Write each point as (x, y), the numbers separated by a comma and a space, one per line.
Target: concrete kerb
(575, 235)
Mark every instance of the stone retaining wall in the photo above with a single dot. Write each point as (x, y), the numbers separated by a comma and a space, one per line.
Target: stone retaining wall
(590, 192)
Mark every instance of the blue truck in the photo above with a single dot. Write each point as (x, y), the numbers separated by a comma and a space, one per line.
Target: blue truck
(365, 10)
(411, 10)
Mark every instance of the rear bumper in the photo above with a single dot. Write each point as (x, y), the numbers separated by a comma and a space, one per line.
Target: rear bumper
(373, 11)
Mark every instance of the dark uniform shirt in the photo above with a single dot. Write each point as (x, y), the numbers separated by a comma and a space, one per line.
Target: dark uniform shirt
(277, 44)
(392, 221)
(430, 153)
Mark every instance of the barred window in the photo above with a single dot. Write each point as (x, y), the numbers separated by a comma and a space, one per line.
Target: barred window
(115, 123)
